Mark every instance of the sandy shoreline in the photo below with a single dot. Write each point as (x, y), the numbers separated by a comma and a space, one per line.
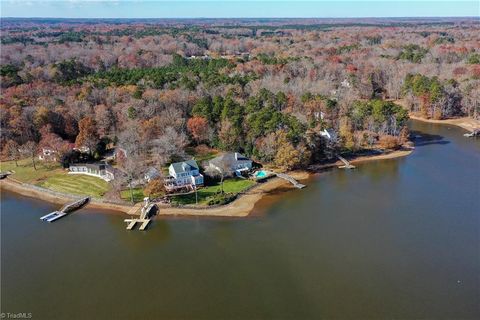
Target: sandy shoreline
(466, 123)
(241, 207)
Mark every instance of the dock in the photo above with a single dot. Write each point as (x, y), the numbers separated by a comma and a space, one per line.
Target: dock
(474, 133)
(346, 165)
(288, 178)
(144, 211)
(3, 175)
(65, 210)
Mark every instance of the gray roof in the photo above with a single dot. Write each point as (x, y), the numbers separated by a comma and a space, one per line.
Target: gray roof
(184, 166)
(231, 157)
(152, 172)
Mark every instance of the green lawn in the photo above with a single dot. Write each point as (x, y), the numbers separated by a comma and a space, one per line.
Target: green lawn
(26, 173)
(51, 176)
(137, 195)
(76, 184)
(229, 186)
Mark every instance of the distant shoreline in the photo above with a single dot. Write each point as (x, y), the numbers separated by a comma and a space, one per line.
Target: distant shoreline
(240, 207)
(466, 123)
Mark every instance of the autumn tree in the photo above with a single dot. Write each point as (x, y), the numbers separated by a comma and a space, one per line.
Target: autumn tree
(198, 128)
(87, 135)
(289, 156)
(11, 152)
(155, 188)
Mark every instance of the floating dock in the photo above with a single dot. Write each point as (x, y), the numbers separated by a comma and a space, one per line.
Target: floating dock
(66, 209)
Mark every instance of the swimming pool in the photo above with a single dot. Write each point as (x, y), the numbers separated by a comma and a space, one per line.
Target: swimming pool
(260, 174)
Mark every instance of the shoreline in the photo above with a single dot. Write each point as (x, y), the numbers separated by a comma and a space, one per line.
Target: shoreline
(466, 123)
(239, 208)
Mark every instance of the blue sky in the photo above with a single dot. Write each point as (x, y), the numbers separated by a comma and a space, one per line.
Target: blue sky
(236, 9)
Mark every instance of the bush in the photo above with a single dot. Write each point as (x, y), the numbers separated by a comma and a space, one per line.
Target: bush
(388, 142)
(220, 199)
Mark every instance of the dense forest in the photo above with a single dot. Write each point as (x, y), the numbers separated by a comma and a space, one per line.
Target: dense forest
(267, 89)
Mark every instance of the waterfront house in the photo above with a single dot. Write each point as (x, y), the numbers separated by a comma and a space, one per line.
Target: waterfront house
(236, 162)
(99, 170)
(185, 174)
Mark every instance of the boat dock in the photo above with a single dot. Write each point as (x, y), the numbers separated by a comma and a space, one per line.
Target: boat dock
(346, 165)
(66, 209)
(290, 179)
(474, 133)
(144, 211)
(3, 175)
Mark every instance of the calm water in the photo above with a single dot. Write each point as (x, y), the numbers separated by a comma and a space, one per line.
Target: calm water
(393, 239)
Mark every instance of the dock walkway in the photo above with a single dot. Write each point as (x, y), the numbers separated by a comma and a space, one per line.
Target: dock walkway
(347, 164)
(288, 178)
(66, 209)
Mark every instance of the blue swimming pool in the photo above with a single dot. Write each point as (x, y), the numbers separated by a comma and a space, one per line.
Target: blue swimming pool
(260, 174)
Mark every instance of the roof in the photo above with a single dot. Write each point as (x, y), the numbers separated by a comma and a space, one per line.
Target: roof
(95, 166)
(230, 157)
(184, 166)
(152, 172)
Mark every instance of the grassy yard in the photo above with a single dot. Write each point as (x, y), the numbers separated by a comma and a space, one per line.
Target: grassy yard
(53, 177)
(229, 186)
(26, 173)
(137, 195)
(76, 184)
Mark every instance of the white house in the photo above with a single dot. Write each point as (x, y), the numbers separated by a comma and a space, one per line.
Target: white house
(330, 134)
(183, 174)
(237, 162)
(99, 170)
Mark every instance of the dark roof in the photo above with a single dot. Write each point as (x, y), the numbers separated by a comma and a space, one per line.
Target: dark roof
(95, 166)
(184, 166)
(229, 156)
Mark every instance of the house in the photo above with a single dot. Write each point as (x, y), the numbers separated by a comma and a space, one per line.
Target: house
(48, 154)
(330, 134)
(185, 174)
(236, 162)
(151, 174)
(99, 170)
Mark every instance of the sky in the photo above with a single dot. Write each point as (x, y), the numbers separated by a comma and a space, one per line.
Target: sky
(237, 9)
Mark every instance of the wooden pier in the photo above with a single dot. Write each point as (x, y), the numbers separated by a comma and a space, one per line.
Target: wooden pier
(66, 209)
(346, 165)
(144, 211)
(288, 178)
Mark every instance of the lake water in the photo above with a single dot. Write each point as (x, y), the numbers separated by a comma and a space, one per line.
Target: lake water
(392, 239)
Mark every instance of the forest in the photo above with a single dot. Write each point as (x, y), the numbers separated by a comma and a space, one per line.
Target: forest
(268, 89)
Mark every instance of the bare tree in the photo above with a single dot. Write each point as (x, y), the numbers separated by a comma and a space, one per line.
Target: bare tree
(220, 167)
